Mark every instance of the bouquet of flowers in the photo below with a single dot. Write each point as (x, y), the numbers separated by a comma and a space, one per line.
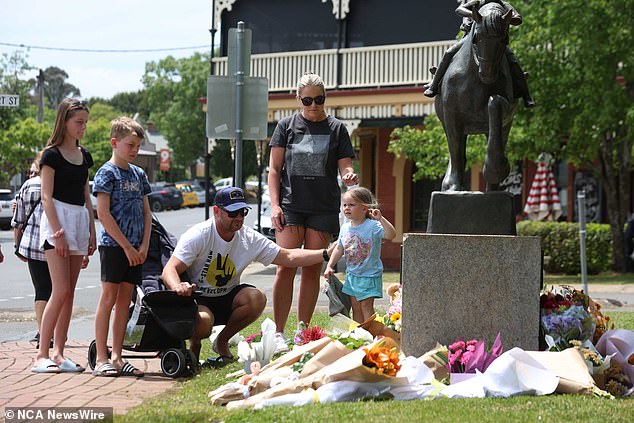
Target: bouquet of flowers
(565, 317)
(392, 318)
(354, 339)
(384, 356)
(258, 347)
(467, 357)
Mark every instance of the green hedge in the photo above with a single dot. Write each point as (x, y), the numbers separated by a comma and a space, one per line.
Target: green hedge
(560, 242)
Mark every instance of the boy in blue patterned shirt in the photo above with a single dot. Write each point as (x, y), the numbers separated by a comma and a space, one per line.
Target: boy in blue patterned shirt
(123, 209)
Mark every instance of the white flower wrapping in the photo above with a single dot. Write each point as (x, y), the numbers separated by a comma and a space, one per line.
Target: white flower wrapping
(261, 351)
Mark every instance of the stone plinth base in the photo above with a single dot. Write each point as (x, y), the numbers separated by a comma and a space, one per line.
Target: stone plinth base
(470, 286)
(473, 213)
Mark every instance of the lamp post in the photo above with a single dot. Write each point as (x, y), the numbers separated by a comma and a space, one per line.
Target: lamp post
(260, 149)
(212, 31)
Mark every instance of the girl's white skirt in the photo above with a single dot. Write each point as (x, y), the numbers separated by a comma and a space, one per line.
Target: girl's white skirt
(76, 223)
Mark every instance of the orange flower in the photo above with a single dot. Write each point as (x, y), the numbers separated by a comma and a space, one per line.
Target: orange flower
(384, 356)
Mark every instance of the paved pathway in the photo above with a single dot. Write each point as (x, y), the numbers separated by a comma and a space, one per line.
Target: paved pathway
(19, 387)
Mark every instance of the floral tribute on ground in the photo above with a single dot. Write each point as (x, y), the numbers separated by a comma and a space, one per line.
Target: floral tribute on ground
(348, 361)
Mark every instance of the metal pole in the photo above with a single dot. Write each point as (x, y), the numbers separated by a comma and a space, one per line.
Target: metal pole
(260, 159)
(40, 96)
(581, 202)
(237, 179)
(212, 30)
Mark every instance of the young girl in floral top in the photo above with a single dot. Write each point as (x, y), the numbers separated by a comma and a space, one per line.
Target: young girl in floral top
(360, 240)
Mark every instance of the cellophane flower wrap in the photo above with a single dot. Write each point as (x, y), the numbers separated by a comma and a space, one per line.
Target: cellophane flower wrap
(472, 355)
(565, 317)
(393, 317)
(260, 346)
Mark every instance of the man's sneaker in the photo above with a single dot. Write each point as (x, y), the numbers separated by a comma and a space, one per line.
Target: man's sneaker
(281, 345)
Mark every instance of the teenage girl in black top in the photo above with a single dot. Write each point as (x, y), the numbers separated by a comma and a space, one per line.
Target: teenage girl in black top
(67, 230)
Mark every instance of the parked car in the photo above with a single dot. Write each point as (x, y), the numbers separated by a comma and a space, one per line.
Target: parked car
(223, 183)
(266, 227)
(190, 199)
(165, 196)
(199, 189)
(93, 200)
(6, 211)
(200, 192)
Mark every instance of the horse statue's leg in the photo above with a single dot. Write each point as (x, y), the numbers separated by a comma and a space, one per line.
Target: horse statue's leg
(496, 166)
(454, 179)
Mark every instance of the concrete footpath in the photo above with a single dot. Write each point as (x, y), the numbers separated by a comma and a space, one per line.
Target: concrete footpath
(19, 387)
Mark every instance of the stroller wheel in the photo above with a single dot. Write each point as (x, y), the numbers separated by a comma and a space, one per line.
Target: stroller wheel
(192, 362)
(92, 354)
(173, 362)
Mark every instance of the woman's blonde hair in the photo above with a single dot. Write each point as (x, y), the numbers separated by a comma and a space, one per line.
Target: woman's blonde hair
(363, 196)
(36, 162)
(310, 79)
(67, 108)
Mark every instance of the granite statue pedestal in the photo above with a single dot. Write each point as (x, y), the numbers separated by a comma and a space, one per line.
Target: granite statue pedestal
(472, 213)
(470, 286)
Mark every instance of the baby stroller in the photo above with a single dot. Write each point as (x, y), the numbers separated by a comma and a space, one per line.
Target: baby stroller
(160, 321)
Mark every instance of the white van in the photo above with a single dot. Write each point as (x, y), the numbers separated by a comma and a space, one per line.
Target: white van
(223, 183)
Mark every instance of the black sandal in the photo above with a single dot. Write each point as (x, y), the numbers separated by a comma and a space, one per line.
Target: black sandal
(219, 361)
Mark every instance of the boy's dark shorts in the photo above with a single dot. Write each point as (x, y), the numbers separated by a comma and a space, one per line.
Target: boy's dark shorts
(115, 267)
(222, 307)
(328, 223)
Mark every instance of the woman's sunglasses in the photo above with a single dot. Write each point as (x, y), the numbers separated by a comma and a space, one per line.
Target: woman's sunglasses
(234, 214)
(307, 101)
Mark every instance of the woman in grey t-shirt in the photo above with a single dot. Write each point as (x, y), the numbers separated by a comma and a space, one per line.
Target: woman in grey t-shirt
(308, 149)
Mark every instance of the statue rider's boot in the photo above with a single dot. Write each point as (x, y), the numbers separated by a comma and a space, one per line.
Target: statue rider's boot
(431, 89)
(528, 100)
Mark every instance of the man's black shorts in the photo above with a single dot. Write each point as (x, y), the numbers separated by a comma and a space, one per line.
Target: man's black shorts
(115, 266)
(221, 307)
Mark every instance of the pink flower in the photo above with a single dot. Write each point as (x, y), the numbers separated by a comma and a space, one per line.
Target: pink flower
(472, 355)
(466, 357)
(457, 346)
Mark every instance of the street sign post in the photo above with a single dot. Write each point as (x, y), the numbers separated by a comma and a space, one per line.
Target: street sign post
(237, 104)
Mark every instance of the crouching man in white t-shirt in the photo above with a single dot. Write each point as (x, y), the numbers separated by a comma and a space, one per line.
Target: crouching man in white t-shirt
(215, 253)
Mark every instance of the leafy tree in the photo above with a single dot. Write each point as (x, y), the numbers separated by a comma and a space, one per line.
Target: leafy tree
(582, 75)
(56, 88)
(131, 103)
(97, 141)
(20, 143)
(427, 147)
(103, 111)
(173, 88)
(12, 73)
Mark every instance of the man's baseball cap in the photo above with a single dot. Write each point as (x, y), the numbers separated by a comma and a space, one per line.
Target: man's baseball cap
(231, 199)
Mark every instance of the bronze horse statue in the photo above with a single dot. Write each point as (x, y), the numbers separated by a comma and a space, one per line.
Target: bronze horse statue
(476, 97)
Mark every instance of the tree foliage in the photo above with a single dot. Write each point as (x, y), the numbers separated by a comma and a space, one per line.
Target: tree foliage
(97, 141)
(56, 88)
(131, 103)
(20, 144)
(173, 88)
(427, 147)
(582, 75)
(13, 68)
